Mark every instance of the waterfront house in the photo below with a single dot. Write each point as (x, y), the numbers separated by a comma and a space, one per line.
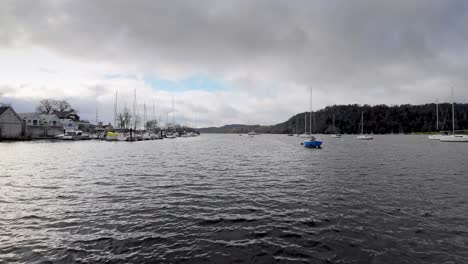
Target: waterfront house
(41, 126)
(52, 125)
(11, 124)
(50, 120)
(69, 125)
(31, 119)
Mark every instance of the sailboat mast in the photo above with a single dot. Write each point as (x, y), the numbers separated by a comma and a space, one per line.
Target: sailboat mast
(173, 122)
(310, 105)
(305, 123)
(362, 122)
(153, 110)
(437, 114)
(144, 115)
(115, 110)
(134, 110)
(297, 124)
(334, 127)
(453, 114)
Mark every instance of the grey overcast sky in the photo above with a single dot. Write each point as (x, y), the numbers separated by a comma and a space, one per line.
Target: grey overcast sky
(229, 62)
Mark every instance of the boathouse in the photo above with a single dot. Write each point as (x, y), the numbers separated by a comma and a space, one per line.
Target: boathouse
(11, 124)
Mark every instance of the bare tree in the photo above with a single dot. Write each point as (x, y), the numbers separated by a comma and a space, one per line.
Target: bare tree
(62, 106)
(152, 125)
(46, 106)
(124, 119)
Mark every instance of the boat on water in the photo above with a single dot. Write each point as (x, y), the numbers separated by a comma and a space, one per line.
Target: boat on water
(73, 135)
(441, 134)
(438, 136)
(453, 137)
(312, 141)
(253, 133)
(363, 136)
(185, 135)
(335, 135)
(171, 135)
(192, 134)
(115, 136)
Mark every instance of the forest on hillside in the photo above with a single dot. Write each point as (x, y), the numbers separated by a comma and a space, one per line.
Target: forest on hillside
(378, 119)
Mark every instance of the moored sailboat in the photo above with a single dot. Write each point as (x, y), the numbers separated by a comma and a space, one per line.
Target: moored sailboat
(362, 136)
(312, 142)
(453, 137)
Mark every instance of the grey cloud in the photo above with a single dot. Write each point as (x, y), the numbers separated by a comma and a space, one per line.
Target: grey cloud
(347, 46)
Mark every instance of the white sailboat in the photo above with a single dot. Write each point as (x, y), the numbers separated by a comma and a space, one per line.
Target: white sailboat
(336, 135)
(438, 136)
(362, 136)
(453, 137)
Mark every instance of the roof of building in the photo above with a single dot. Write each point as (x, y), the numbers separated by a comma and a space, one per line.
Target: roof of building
(3, 109)
(65, 114)
(31, 116)
(48, 118)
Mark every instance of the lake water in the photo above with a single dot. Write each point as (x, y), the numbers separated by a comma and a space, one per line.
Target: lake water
(235, 199)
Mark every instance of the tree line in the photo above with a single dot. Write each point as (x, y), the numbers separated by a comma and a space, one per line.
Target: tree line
(378, 119)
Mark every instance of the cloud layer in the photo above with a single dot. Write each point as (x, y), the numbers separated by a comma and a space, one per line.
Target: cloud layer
(268, 54)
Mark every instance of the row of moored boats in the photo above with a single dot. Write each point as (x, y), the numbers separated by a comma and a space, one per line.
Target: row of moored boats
(122, 136)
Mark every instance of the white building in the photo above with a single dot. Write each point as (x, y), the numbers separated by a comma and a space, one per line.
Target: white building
(69, 125)
(31, 119)
(50, 120)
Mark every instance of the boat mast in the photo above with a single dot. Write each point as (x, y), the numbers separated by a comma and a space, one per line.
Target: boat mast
(134, 110)
(362, 122)
(115, 110)
(453, 114)
(305, 123)
(334, 127)
(297, 124)
(173, 122)
(144, 115)
(310, 105)
(153, 110)
(437, 115)
(96, 114)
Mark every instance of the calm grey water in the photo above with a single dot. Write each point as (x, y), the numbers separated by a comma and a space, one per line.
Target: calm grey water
(230, 198)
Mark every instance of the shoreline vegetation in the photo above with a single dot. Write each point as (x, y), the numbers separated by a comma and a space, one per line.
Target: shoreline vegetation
(380, 119)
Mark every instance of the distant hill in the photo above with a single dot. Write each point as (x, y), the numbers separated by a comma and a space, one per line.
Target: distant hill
(378, 119)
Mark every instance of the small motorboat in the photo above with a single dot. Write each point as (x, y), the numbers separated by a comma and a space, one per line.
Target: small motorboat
(312, 142)
(336, 136)
(73, 135)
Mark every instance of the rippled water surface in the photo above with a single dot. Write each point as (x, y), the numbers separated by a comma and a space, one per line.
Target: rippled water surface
(234, 199)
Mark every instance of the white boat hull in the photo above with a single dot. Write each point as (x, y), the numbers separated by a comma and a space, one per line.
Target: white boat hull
(455, 138)
(436, 137)
(364, 137)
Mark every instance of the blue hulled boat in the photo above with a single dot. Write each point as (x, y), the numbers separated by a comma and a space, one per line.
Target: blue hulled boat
(312, 143)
